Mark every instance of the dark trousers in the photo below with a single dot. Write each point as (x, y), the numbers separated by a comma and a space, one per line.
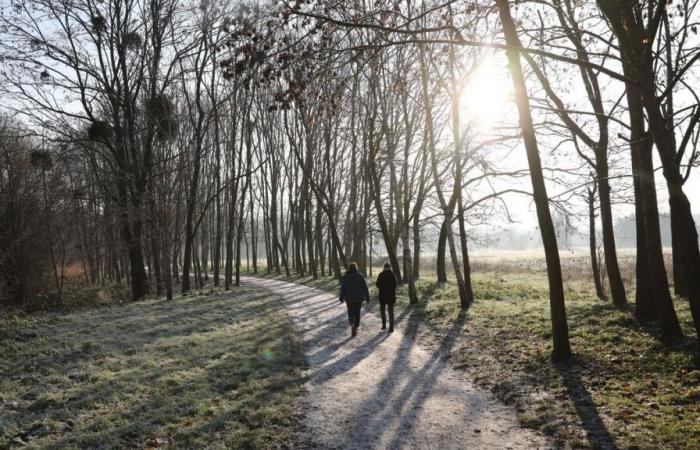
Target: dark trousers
(382, 310)
(354, 309)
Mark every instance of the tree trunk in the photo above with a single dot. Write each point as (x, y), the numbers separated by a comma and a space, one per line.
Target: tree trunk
(416, 245)
(640, 68)
(593, 246)
(560, 330)
(645, 293)
(132, 239)
(381, 218)
(189, 225)
(680, 287)
(466, 268)
(440, 258)
(617, 288)
(228, 267)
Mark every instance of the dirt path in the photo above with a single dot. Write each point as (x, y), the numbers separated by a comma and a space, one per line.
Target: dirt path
(388, 391)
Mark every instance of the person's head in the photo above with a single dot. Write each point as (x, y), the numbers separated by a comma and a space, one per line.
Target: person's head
(387, 266)
(352, 267)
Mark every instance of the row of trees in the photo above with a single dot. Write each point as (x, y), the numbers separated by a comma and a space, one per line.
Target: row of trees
(309, 134)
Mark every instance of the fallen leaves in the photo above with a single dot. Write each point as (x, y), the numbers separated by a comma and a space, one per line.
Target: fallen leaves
(155, 443)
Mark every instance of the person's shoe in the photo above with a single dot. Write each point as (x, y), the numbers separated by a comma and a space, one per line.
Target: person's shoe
(354, 332)
(391, 329)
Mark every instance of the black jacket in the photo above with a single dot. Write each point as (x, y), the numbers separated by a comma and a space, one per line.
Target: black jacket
(386, 282)
(353, 288)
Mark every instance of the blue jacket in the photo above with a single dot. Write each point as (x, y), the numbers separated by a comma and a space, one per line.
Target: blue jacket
(353, 288)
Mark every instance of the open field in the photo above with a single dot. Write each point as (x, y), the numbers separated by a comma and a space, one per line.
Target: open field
(623, 388)
(208, 370)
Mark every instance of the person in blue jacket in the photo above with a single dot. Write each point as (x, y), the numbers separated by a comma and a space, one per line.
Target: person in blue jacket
(353, 291)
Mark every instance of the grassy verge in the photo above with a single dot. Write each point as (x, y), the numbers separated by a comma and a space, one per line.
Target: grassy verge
(623, 389)
(77, 294)
(211, 370)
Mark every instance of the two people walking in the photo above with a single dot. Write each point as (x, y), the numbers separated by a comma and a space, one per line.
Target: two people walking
(354, 291)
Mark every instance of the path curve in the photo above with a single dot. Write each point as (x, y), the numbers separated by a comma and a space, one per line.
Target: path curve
(387, 391)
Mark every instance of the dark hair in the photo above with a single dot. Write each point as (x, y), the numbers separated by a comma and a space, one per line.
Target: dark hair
(387, 265)
(352, 267)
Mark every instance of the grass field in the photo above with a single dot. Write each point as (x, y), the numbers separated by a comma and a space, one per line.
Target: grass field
(209, 370)
(623, 389)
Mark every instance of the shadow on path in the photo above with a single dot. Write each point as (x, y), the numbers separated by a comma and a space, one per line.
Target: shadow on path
(412, 387)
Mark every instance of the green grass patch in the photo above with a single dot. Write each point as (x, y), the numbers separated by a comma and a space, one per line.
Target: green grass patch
(207, 370)
(623, 387)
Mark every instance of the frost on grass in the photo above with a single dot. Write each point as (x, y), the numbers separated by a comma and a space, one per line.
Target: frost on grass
(215, 370)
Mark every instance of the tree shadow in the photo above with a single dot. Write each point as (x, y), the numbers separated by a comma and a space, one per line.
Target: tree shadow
(345, 363)
(329, 330)
(417, 385)
(596, 431)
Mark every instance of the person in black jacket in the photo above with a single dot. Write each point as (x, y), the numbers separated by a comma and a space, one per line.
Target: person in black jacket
(353, 290)
(386, 283)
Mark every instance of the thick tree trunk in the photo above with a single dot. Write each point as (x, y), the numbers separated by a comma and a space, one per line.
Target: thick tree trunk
(560, 330)
(644, 309)
(632, 41)
(641, 148)
(131, 234)
(139, 279)
(681, 217)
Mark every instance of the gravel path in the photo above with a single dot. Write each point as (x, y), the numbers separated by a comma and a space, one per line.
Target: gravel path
(388, 391)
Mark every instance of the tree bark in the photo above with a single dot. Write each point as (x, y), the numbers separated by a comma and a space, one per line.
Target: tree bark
(440, 257)
(560, 329)
(632, 40)
(593, 246)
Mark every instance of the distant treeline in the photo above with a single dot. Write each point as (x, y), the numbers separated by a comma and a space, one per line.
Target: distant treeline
(625, 236)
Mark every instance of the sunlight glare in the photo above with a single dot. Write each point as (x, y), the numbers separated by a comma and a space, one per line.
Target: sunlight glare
(485, 94)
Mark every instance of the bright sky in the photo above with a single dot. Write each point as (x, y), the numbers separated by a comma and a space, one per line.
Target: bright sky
(487, 98)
